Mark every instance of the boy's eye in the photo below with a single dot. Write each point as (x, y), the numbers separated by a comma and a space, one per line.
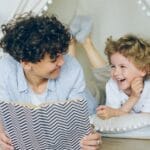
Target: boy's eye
(123, 66)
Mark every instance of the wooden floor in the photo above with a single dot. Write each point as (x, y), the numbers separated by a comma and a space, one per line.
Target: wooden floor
(124, 144)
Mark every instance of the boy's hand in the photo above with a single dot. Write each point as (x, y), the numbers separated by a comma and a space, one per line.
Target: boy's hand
(105, 112)
(137, 86)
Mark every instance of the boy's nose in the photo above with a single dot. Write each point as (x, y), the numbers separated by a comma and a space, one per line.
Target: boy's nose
(116, 72)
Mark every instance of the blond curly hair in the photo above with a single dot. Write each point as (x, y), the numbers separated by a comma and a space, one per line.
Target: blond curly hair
(132, 47)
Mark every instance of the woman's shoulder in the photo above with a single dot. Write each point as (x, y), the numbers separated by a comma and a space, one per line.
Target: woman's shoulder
(7, 63)
(71, 64)
(7, 60)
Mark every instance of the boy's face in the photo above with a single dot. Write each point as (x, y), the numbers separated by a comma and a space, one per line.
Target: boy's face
(123, 71)
(46, 68)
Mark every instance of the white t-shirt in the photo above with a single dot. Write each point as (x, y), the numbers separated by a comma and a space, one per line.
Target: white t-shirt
(115, 97)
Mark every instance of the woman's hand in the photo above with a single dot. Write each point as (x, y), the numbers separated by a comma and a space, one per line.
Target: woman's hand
(91, 142)
(5, 142)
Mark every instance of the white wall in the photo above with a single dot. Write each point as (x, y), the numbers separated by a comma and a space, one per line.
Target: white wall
(111, 17)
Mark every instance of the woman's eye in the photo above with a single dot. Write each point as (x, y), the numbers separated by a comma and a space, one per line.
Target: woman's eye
(52, 61)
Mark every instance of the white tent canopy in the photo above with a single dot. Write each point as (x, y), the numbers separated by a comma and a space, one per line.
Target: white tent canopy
(9, 9)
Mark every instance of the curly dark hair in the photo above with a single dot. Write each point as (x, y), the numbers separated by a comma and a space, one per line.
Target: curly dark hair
(30, 37)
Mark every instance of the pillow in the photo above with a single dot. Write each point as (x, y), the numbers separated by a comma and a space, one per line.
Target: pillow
(126, 126)
(58, 125)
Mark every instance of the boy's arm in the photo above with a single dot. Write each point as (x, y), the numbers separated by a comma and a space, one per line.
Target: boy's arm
(136, 90)
(106, 112)
(127, 107)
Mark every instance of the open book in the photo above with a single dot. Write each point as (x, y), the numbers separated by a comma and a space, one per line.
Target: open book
(55, 126)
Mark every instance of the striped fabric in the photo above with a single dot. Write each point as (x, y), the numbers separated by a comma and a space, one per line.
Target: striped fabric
(57, 126)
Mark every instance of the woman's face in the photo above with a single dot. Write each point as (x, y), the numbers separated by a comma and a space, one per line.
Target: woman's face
(46, 68)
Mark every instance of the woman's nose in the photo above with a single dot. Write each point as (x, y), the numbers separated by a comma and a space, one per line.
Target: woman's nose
(60, 60)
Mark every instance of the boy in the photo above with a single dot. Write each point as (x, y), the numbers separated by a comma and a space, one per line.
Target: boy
(128, 89)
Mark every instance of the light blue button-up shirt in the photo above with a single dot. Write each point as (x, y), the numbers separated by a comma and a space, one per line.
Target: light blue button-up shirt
(69, 85)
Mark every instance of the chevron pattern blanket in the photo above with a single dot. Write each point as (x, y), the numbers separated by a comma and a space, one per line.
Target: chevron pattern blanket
(56, 126)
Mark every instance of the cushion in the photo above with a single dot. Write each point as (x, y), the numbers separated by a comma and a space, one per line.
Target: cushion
(58, 125)
(126, 126)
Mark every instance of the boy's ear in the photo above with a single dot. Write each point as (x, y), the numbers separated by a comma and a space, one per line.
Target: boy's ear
(26, 65)
(143, 73)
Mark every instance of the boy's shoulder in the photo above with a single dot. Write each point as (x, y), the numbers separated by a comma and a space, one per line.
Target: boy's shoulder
(111, 83)
(147, 82)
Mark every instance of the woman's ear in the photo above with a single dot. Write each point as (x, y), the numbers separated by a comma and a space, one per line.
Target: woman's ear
(26, 65)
